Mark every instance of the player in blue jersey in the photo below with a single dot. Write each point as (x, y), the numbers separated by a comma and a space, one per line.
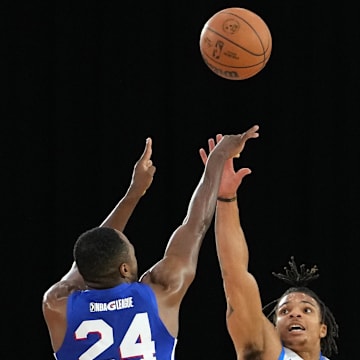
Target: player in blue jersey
(305, 329)
(101, 310)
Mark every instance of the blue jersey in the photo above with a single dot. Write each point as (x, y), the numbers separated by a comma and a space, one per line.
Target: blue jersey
(115, 324)
(287, 354)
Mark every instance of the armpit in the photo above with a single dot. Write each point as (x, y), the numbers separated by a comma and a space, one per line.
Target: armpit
(251, 352)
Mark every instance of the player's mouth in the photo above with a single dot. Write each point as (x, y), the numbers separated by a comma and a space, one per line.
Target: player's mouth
(296, 327)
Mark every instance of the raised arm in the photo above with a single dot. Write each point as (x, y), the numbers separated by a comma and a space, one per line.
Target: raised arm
(244, 315)
(141, 180)
(176, 270)
(249, 329)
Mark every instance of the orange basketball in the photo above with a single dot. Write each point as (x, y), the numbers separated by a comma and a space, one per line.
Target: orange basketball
(235, 43)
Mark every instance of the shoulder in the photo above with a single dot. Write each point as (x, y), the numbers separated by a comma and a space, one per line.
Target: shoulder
(58, 293)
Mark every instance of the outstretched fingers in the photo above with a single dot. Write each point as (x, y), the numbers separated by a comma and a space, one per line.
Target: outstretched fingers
(251, 133)
(203, 153)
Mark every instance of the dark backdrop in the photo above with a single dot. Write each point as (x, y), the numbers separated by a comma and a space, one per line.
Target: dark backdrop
(84, 84)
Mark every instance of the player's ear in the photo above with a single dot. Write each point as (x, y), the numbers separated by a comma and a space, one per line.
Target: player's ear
(323, 330)
(124, 270)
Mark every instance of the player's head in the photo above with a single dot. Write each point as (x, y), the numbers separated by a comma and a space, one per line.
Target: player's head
(299, 308)
(105, 257)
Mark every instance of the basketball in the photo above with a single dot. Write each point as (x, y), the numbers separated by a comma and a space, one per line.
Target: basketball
(235, 43)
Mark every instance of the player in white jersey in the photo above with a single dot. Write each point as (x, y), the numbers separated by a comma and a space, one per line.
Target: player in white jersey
(302, 327)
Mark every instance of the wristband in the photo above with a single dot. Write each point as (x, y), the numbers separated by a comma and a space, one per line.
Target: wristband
(227, 199)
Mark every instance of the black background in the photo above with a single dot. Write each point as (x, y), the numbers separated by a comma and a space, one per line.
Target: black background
(85, 82)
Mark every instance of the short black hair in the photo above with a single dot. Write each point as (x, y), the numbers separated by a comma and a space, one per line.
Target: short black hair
(298, 281)
(99, 252)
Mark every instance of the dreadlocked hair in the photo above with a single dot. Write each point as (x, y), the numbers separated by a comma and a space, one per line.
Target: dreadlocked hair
(299, 280)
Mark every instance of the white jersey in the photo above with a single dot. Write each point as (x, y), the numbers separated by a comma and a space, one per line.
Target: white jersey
(287, 354)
